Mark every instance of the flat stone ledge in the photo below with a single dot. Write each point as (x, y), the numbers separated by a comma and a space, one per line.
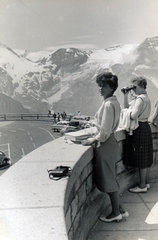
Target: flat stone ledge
(31, 205)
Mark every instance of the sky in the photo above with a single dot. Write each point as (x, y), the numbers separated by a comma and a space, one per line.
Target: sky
(42, 25)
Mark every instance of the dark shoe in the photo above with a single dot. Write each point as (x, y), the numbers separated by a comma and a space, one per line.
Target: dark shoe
(138, 190)
(108, 220)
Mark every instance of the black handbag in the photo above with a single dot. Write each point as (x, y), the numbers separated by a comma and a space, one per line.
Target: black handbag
(59, 172)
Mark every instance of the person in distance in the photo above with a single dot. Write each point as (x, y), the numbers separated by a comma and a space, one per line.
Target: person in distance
(138, 150)
(106, 150)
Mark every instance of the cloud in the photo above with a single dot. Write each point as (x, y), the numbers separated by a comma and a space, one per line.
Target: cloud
(84, 37)
(74, 45)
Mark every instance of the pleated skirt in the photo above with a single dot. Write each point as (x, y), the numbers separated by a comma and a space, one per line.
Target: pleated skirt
(105, 158)
(138, 148)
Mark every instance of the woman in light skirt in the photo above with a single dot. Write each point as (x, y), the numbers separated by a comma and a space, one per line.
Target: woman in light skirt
(106, 150)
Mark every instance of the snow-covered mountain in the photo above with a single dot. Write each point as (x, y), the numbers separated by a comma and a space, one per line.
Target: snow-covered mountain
(64, 80)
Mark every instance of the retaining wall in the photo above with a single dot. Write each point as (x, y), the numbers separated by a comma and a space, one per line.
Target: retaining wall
(83, 203)
(34, 207)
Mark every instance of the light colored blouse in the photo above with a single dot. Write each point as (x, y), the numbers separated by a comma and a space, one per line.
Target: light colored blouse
(107, 118)
(141, 109)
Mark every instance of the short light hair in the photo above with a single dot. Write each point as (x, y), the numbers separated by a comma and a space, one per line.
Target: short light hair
(141, 81)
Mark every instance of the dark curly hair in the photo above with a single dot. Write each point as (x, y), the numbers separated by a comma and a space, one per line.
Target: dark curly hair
(107, 78)
(141, 81)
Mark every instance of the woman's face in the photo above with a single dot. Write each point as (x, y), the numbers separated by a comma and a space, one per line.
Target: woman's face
(137, 90)
(105, 90)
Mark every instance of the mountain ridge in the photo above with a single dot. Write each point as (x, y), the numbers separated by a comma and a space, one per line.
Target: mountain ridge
(64, 80)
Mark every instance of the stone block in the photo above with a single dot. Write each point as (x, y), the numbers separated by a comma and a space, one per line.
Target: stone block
(154, 172)
(82, 194)
(69, 198)
(84, 174)
(89, 184)
(78, 183)
(70, 234)
(156, 157)
(120, 150)
(89, 167)
(76, 221)
(120, 167)
(120, 135)
(68, 219)
(155, 144)
(75, 207)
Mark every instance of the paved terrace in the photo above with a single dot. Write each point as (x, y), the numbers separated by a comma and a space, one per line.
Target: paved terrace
(33, 207)
(142, 224)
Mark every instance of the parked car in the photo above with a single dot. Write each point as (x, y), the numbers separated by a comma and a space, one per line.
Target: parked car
(5, 162)
(81, 119)
(73, 126)
(69, 116)
(56, 127)
(91, 122)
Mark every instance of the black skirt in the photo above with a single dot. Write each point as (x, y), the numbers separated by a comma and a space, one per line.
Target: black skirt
(138, 148)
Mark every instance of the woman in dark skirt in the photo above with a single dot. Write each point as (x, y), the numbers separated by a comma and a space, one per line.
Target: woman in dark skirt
(106, 149)
(138, 150)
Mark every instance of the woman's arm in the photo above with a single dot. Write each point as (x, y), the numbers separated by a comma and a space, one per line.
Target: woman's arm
(126, 104)
(105, 127)
(106, 123)
(88, 141)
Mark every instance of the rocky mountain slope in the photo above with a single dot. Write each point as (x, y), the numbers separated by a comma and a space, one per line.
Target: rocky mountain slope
(64, 80)
(9, 105)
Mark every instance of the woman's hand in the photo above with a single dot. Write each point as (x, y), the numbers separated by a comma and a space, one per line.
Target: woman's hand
(88, 141)
(125, 101)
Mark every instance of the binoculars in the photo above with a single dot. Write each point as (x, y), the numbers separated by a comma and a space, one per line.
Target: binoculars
(127, 89)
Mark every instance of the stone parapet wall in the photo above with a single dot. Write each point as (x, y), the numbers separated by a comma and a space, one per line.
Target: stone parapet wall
(64, 209)
(83, 202)
(154, 168)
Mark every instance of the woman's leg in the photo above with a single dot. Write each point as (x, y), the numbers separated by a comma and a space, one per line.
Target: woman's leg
(148, 176)
(121, 207)
(114, 197)
(143, 177)
(115, 214)
(141, 188)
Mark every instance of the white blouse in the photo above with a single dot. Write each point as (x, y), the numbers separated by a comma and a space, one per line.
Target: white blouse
(107, 118)
(141, 107)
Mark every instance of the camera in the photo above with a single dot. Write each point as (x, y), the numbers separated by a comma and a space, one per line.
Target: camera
(127, 89)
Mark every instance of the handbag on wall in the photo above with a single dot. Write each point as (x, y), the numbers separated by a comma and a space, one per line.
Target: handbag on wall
(59, 172)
